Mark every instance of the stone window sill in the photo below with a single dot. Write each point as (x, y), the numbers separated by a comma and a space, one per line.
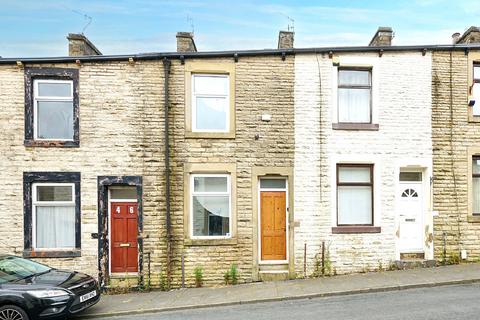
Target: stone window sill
(356, 229)
(356, 126)
(210, 135)
(52, 253)
(473, 218)
(210, 242)
(473, 119)
(51, 144)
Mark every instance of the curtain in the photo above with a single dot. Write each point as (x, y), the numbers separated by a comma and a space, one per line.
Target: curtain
(353, 105)
(55, 227)
(209, 206)
(476, 195)
(354, 205)
(55, 120)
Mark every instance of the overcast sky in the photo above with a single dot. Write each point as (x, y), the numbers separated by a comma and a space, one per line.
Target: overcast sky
(39, 27)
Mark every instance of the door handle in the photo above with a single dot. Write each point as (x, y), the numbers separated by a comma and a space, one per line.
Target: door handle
(122, 245)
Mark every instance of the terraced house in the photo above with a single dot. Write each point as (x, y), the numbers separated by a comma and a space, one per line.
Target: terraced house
(285, 162)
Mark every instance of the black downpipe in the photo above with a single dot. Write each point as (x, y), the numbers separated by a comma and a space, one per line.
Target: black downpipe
(166, 68)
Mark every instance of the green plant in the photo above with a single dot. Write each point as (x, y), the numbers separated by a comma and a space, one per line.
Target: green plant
(380, 266)
(231, 275)
(454, 258)
(163, 282)
(234, 274)
(198, 273)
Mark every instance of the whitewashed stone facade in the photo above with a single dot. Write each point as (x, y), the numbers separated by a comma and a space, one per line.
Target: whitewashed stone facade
(401, 106)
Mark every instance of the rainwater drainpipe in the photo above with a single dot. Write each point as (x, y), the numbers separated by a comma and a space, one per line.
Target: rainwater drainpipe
(166, 68)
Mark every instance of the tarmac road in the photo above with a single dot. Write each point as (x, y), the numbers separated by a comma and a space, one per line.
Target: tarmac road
(438, 303)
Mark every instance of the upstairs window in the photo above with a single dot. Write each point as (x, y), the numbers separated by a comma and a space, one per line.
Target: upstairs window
(354, 95)
(476, 89)
(53, 110)
(210, 103)
(51, 107)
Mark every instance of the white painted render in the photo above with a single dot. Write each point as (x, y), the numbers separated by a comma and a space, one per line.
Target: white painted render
(401, 106)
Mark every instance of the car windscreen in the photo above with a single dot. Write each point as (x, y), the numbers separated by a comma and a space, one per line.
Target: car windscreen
(15, 268)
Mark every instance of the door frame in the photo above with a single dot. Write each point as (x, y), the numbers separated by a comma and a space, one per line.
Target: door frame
(110, 201)
(260, 261)
(283, 172)
(425, 196)
(103, 184)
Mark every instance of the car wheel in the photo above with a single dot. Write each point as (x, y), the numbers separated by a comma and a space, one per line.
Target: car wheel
(12, 313)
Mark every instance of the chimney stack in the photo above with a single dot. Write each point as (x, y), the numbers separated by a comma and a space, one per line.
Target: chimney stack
(455, 37)
(79, 45)
(185, 42)
(285, 39)
(472, 35)
(382, 38)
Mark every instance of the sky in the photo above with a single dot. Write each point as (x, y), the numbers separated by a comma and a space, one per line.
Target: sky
(36, 28)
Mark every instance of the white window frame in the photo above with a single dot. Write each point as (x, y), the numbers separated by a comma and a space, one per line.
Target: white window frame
(475, 82)
(227, 193)
(36, 203)
(37, 98)
(225, 96)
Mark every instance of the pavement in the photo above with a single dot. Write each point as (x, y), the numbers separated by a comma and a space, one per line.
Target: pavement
(195, 298)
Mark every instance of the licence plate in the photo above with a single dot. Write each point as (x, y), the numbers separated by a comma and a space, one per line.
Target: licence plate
(88, 296)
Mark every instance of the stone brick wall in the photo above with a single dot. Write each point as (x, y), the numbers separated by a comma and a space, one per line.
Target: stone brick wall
(121, 133)
(263, 85)
(452, 135)
(404, 138)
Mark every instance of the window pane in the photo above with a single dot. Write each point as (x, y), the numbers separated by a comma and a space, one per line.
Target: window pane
(354, 77)
(354, 174)
(210, 84)
(354, 105)
(272, 183)
(354, 205)
(210, 184)
(410, 176)
(55, 227)
(54, 89)
(476, 195)
(124, 193)
(55, 120)
(211, 215)
(211, 113)
(476, 165)
(476, 96)
(476, 72)
(54, 193)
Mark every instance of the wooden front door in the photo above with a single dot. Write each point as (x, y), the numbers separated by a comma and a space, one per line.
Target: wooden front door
(123, 237)
(273, 225)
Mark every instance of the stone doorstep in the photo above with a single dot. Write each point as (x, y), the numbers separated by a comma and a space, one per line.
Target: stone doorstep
(415, 263)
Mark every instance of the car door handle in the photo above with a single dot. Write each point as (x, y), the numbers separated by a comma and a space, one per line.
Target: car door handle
(124, 245)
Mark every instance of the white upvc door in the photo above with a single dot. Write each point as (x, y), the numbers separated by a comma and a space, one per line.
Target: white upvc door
(410, 202)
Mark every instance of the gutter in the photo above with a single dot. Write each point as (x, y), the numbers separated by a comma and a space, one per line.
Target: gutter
(239, 53)
(166, 68)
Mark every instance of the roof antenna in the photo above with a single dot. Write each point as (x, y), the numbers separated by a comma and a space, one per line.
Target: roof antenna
(190, 21)
(291, 23)
(86, 17)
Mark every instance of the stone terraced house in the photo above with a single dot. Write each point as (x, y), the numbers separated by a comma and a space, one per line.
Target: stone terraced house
(139, 168)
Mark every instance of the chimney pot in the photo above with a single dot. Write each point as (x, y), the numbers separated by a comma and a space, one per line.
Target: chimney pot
(79, 45)
(455, 37)
(285, 39)
(185, 42)
(382, 38)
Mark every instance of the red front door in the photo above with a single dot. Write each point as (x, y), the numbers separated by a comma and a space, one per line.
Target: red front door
(123, 237)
